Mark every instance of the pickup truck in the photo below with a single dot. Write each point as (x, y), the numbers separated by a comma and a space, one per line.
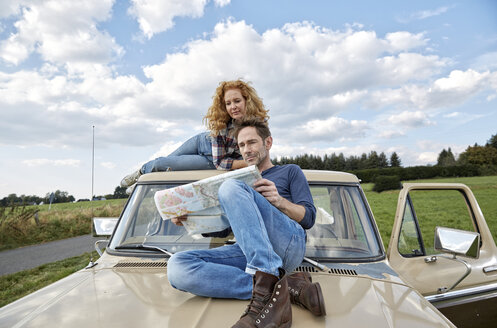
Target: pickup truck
(429, 277)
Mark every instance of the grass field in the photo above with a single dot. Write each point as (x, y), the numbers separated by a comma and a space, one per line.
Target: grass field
(17, 285)
(384, 204)
(18, 226)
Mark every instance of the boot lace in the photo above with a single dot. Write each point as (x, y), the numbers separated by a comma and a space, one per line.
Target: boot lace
(256, 305)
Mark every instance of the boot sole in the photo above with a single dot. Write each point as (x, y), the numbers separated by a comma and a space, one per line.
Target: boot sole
(322, 308)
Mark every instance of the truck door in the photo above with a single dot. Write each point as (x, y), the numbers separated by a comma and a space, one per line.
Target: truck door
(421, 208)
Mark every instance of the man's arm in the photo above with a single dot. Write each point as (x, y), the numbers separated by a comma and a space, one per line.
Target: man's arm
(268, 189)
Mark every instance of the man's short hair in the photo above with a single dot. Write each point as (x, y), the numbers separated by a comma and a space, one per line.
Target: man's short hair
(259, 125)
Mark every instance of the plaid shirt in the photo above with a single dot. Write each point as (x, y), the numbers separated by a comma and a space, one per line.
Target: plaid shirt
(225, 148)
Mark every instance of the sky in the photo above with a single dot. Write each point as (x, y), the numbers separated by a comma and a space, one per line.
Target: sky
(134, 78)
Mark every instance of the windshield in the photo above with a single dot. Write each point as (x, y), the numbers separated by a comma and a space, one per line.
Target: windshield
(343, 228)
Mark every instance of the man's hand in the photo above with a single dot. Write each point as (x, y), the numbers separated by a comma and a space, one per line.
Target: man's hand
(177, 220)
(268, 189)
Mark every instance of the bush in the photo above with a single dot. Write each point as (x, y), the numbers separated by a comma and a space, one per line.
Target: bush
(423, 172)
(386, 182)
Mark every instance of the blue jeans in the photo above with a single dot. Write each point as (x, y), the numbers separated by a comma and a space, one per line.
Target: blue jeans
(266, 239)
(194, 154)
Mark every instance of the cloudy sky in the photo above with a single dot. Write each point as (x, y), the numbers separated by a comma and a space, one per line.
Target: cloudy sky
(348, 77)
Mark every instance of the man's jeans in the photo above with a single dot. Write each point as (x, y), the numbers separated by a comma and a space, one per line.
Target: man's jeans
(266, 239)
(194, 154)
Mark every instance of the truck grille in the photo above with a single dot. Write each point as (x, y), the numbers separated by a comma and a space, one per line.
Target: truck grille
(157, 264)
(346, 272)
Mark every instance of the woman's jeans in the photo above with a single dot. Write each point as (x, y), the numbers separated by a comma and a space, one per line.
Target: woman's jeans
(194, 154)
(266, 239)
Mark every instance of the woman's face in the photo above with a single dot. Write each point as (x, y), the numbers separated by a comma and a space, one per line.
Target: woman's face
(235, 104)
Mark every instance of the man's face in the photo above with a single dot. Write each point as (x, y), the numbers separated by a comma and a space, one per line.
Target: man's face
(253, 149)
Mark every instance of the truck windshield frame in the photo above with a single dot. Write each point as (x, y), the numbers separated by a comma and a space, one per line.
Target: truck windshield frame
(344, 228)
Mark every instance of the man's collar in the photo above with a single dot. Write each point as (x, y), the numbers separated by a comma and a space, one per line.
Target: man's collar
(271, 165)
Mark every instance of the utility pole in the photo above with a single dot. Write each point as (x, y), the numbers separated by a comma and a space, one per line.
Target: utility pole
(92, 164)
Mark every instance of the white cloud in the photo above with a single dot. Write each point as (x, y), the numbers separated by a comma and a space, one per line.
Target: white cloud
(155, 16)
(453, 90)
(427, 158)
(61, 32)
(317, 74)
(166, 149)
(453, 115)
(52, 162)
(391, 134)
(404, 40)
(410, 119)
(430, 13)
(424, 14)
(222, 3)
(333, 128)
(461, 82)
(464, 117)
(10, 7)
(316, 70)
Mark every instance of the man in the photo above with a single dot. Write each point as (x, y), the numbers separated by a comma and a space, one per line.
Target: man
(268, 222)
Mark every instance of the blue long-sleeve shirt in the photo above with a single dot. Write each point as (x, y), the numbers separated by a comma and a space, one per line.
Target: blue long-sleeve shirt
(293, 186)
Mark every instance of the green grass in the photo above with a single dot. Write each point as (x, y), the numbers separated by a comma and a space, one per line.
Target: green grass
(81, 205)
(384, 204)
(17, 285)
(19, 228)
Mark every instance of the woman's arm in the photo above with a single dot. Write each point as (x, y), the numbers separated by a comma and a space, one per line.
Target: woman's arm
(238, 164)
(225, 150)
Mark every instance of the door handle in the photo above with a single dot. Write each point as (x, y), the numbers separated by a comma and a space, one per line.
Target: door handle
(430, 259)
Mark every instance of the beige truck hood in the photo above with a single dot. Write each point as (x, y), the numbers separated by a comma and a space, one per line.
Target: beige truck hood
(142, 297)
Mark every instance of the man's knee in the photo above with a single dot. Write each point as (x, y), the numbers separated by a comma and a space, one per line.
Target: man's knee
(231, 187)
(176, 268)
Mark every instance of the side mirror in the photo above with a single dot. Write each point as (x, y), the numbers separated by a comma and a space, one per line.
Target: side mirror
(103, 226)
(457, 242)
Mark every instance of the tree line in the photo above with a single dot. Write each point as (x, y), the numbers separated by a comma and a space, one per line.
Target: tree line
(473, 155)
(339, 162)
(58, 197)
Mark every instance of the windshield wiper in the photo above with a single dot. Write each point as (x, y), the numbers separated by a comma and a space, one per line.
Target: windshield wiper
(145, 247)
(320, 266)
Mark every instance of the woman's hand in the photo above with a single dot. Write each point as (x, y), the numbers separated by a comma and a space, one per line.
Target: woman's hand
(177, 220)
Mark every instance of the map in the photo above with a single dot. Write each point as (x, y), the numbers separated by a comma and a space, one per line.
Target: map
(199, 201)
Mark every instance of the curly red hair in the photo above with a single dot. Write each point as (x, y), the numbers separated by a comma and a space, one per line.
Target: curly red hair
(217, 116)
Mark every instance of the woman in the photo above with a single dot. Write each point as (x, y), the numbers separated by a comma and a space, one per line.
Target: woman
(217, 149)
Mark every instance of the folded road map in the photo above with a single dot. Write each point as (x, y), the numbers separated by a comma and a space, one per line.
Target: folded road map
(199, 201)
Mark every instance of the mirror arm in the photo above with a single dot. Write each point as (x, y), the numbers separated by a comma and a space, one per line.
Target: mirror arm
(98, 248)
(442, 290)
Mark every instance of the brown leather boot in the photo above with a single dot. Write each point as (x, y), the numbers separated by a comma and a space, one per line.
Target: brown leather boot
(305, 293)
(270, 304)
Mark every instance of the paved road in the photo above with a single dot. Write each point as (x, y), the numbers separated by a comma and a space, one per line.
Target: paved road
(28, 257)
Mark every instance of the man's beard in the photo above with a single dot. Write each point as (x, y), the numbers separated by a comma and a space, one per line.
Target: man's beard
(260, 158)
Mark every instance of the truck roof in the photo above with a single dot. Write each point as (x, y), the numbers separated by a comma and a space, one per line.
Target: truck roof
(311, 175)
